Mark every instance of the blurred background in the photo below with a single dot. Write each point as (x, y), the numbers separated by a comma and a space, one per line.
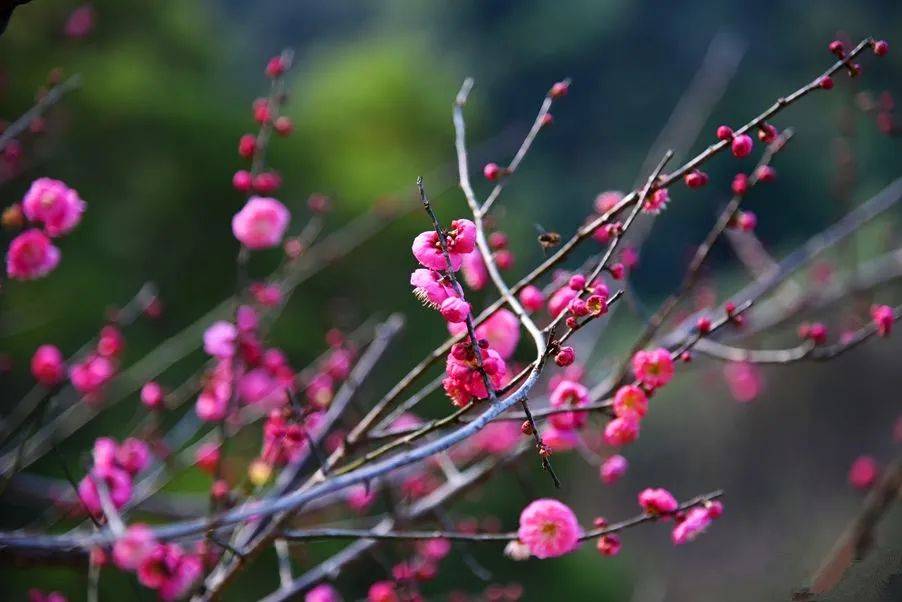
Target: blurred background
(149, 140)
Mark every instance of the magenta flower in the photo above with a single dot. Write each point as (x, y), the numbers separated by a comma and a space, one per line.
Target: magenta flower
(261, 223)
(630, 400)
(118, 483)
(455, 310)
(133, 455)
(31, 255)
(653, 368)
(693, 525)
(47, 365)
(501, 330)
(90, 375)
(323, 593)
(52, 203)
(569, 394)
(474, 271)
(559, 440)
(613, 469)
(744, 380)
(549, 528)
(219, 339)
(864, 472)
(657, 501)
(133, 547)
(532, 298)
(882, 315)
(430, 288)
(621, 431)
(461, 240)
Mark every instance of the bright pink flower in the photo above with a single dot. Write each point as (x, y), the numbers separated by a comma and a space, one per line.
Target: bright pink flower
(434, 549)
(565, 356)
(608, 545)
(246, 319)
(569, 394)
(80, 23)
(741, 145)
(863, 472)
(261, 223)
(90, 375)
(219, 339)
(258, 387)
(104, 453)
(653, 368)
(53, 204)
(133, 547)
(461, 240)
(382, 591)
(133, 455)
(47, 365)
(267, 295)
(323, 593)
(630, 400)
(152, 395)
(212, 403)
(657, 501)
(693, 525)
(118, 484)
(463, 381)
(110, 343)
(560, 300)
(883, 319)
(501, 330)
(207, 457)
(474, 271)
(558, 440)
(430, 287)
(607, 200)
(31, 255)
(170, 571)
(532, 298)
(455, 310)
(656, 201)
(613, 468)
(360, 497)
(549, 528)
(497, 437)
(744, 380)
(621, 431)
(36, 595)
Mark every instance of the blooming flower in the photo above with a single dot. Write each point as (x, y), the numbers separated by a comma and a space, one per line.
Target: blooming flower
(560, 300)
(549, 528)
(460, 240)
(657, 501)
(559, 440)
(694, 524)
(89, 376)
(608, 545)
(455, 310)
(743, 379)
(382, 591)
(47, 365)
(118, 484)
(613, 468)
(261, 223)
(323, 593)
(170, 571)
(219, 339)
(656, 201)
(430, 287)
(621, 431)
(133, 455)
(463, 380)
(532, 298)
(569, 394)
(474, 271)
(607, 200)
(863, 472)
(653, 368)
(883, 319)
(630, 400)
(133, 547)
(501, 330)
(212, 403)
(53, 204)
(31, 255)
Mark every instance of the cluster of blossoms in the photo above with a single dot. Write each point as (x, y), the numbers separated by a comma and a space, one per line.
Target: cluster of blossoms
(266, 113)
(115, 465)
(165, 567)
(243, 368)
(653, 369)
(52, 210)
(87, 375)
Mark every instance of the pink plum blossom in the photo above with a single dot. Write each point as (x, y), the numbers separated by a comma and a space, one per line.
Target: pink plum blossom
(657, 501)
(430, 287)
(219, 339)
(653, 368)
(630, 400)
(47, 365)
(461, 240)
(31, 255)
(53, 204)
(133, 547)
(90, 375)
(549, 528)
(621, 431)
(261, 223)
(613, 469)
(323, 593)
(569, 394)
(693, 524)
